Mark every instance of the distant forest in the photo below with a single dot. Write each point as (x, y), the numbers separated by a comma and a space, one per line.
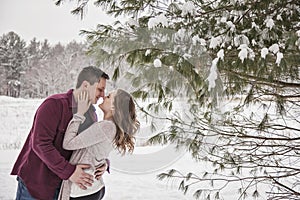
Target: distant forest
(38, 68)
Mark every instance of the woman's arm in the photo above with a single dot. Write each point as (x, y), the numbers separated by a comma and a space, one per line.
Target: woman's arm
(72, 131)
(92, 135)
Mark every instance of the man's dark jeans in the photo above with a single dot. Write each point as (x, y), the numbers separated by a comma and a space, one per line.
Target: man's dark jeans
(23, 194)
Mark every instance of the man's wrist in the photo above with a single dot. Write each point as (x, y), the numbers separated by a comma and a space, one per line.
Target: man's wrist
(79, 113)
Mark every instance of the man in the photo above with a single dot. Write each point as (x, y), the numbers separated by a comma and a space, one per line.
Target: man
(43, 163)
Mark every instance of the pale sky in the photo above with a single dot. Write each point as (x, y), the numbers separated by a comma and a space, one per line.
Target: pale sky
(44, 20)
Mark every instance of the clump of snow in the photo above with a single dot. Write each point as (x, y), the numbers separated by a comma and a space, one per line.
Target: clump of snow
(148, 52)
(279, 56)
(181, 34)
(245, 52)
(188, 7)
(186, 56)
(297, 43)
(264, 52)
(274, 48)
(254, 25)
(213, 75)
(196, 40)
(269, 23)
(279, 18)
(220, 54)
(231, 150)
(241, 39)
(157, 62)
(231, 26)
(132, 22)
(223, 19)
(215, 41)
(157, 20)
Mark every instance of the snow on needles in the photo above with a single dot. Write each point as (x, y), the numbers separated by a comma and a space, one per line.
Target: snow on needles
(213, 75)
(245, 52)
(264, 52)
(269, 23)
(157, 20)
(157, 63)
(188, 7)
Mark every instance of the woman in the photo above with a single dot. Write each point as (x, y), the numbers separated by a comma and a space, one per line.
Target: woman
(93, 145)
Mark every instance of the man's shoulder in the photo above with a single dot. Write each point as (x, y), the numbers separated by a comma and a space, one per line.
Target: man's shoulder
(60, 99)
(61, 96)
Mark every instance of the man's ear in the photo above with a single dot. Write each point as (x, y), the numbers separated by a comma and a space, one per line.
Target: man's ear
(85, 84)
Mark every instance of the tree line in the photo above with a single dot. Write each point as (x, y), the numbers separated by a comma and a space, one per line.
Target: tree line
(37, 69)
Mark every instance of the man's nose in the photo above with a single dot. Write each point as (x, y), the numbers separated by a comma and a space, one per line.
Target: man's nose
(102, 94)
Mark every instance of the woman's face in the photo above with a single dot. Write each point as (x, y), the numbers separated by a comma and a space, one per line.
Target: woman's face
(107, 104)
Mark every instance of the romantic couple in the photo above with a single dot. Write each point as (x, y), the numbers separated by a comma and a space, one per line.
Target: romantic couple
(66, 151)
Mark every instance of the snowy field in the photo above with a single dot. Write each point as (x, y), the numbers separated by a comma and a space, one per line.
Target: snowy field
(132, 177)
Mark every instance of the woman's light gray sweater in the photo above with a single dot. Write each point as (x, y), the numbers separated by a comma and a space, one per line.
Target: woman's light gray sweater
(92, 146)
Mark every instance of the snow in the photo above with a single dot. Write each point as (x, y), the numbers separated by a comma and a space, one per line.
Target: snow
(196, 40)
(223, 19)
(243, 54)
(240, 40)
(274, 48)
(188, 7)
(215, 41)
(126, 181)
(220, 54)
(213, 75)
(231, 26)
(270, 23)
(278, 17)
(264, 52)
(132, 22)
(148, 52)
(279, 56)
(157, 62)
(155, 21)
(254, 25)
(297, 43)
(132, 177)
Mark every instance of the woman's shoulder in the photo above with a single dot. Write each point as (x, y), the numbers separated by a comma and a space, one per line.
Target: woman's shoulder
(106, 123)
(107, 126)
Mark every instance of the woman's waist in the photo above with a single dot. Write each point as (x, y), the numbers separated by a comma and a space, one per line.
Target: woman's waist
(76, 191)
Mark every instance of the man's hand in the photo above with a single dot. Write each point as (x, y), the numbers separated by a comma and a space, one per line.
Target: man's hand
(81, 178)
(100, 171)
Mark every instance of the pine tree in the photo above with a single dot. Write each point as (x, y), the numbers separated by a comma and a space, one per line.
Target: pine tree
(236, 65)
(12, 63)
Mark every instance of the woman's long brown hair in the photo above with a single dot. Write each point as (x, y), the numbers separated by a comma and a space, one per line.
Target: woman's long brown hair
(125, 120)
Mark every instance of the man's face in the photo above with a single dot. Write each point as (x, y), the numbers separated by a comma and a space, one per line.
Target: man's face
(97, 90)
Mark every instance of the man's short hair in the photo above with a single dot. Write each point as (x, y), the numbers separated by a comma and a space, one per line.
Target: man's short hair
(90, 74)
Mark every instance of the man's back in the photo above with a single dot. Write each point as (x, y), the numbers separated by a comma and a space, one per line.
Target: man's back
(42, 156)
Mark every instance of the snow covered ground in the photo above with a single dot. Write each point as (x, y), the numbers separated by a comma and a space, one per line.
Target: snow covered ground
(128, 181)
(132, 177)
